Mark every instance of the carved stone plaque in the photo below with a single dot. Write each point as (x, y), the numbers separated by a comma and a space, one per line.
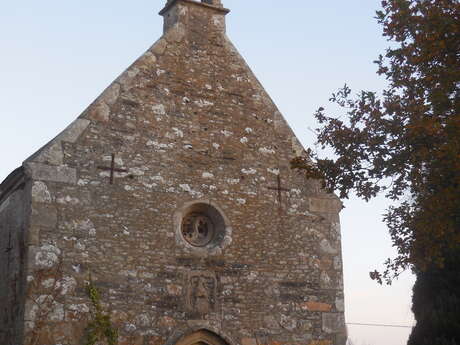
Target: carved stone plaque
(201, 292)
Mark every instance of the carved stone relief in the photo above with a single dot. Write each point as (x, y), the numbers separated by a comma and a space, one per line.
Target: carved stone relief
(201, 292)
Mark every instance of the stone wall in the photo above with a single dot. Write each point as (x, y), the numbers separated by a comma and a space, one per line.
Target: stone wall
(14, 211)
(187, 123)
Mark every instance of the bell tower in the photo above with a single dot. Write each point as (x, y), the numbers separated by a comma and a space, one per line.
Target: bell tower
(194, 13)
(213, 2)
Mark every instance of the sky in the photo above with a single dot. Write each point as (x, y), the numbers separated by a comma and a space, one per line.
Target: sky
(56, 57)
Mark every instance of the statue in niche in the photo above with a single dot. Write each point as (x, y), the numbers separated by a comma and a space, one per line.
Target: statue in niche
(202, 292)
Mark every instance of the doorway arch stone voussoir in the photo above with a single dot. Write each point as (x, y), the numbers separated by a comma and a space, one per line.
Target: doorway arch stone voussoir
(201, 337)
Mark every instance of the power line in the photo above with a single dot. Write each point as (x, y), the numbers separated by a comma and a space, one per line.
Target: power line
(377, 325)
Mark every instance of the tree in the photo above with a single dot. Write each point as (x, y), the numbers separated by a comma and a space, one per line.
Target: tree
(405, 143)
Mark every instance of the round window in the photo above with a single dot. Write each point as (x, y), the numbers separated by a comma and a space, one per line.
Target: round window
(202, 227)
(198, 229)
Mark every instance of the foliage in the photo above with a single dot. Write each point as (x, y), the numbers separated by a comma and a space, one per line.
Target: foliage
(436, 304)
(100, 326)
(405, 142)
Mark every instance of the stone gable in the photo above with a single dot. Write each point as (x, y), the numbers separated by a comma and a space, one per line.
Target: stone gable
(174, 191)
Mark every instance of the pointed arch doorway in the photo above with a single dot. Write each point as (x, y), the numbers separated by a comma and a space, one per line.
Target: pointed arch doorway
(202, 337)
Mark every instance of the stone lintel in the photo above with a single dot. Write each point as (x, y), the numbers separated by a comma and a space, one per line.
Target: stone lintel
(44, 172)
(317, 307)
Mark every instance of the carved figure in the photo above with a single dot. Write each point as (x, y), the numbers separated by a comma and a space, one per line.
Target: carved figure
(202, 292)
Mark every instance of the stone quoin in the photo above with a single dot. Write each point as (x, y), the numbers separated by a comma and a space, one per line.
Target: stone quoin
(173, 193)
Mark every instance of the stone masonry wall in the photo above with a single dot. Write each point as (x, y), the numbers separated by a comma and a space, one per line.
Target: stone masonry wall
(187, 122)
(14, 210)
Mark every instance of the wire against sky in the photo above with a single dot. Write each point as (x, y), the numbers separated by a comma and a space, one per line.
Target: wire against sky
(377, 325)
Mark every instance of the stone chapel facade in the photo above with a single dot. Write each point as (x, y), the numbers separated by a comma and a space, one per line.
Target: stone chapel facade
(173, 192)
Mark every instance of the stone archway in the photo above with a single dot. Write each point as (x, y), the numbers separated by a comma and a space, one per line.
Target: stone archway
(202, 337)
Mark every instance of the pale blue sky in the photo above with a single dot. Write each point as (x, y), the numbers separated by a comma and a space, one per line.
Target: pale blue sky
(57, 56)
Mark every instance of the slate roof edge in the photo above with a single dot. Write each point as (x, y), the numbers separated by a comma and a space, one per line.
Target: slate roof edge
(11, 182)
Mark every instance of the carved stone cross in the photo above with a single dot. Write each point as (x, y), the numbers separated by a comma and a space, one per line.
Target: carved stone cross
(279, 188)
(112, 169)
(8, 250)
